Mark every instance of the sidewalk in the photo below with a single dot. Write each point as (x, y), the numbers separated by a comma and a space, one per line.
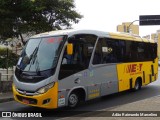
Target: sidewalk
(5, 97)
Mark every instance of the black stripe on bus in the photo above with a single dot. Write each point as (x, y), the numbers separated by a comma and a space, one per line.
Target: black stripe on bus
(152, 69)
(150, 78)
(144, 77)
(130, 82)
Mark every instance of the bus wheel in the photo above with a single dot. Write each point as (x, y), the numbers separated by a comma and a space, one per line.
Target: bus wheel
(137, 85)
(73, 99)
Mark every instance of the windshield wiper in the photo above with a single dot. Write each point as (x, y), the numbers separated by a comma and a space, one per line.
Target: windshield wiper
(34, 55)
(37, 67)
(35, 60)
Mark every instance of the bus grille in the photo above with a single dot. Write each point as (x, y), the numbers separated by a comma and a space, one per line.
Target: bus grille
(30, 100)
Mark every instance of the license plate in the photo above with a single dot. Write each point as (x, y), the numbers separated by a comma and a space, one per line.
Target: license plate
(25, 101)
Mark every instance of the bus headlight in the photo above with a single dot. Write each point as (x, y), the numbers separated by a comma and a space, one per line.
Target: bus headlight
(45, 88)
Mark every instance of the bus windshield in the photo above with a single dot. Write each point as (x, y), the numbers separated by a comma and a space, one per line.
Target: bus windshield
(41, 54)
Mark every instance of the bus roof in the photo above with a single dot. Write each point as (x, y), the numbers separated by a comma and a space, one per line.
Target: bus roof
(128, 36)
(70, 32)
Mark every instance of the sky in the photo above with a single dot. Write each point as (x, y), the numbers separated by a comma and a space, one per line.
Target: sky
(105, 15)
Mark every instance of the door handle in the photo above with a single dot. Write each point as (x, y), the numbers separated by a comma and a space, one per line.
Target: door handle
(76, 81)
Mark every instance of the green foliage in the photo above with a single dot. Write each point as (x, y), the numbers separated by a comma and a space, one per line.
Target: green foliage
(7, 61)
(22, 16)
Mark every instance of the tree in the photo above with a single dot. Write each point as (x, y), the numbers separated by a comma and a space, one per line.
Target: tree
(26, 16)
(8, 59)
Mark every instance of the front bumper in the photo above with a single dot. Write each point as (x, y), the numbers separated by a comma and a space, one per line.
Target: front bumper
(47, 100)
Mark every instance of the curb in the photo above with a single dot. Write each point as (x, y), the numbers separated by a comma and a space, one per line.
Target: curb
(6, 100)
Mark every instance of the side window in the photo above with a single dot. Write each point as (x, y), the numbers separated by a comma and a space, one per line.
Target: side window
(114, 51)
(107, 51)
(148, 53)
(152, 50)
(131, 51)
(155, 50)
(98, 53)
(83, 45)
(134, 51)
(121, 51)
(141, 51)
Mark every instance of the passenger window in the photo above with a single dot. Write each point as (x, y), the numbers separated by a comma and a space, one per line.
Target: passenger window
(110, 50)
(82, 50)
(98, 53)
(141, 51)
(106, 51)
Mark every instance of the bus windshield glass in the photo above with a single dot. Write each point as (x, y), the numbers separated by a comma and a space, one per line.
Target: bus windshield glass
(41, 54)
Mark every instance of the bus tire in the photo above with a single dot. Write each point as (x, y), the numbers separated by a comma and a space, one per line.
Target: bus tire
(73, 99)
(137, 85)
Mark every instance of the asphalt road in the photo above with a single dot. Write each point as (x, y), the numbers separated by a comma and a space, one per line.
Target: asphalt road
(99, 104)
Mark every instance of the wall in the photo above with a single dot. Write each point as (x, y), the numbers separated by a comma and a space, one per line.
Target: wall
(6, 83)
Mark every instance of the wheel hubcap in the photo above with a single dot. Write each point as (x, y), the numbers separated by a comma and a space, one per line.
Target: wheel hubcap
(73, 99)
(137, 86)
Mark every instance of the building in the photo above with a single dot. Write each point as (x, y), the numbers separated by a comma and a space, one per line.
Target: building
(128, 27)
(147, 37)
(156, 38)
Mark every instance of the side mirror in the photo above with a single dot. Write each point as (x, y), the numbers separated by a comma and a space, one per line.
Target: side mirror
(69, 48)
